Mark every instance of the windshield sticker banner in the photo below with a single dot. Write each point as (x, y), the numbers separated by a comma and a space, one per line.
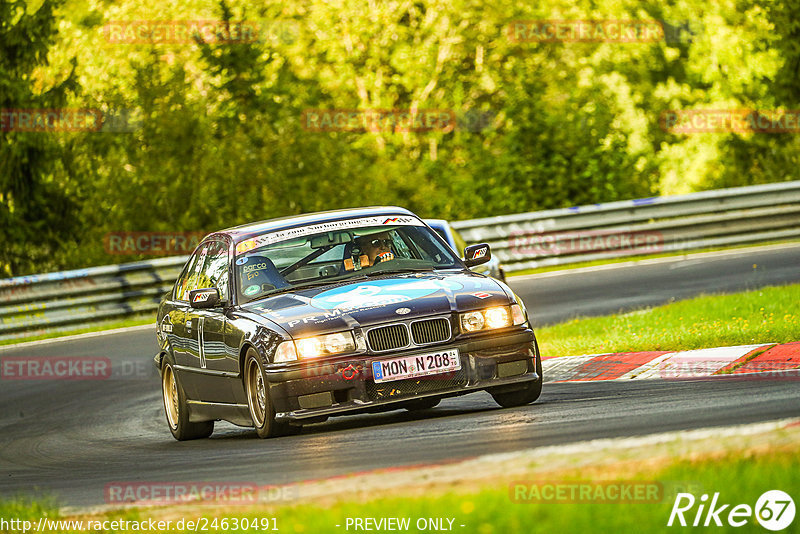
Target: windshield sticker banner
(291, 233)
(380, 293)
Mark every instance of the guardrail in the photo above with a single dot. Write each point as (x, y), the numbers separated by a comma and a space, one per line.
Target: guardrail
(51, 302)
(741, 215)
(42, 303)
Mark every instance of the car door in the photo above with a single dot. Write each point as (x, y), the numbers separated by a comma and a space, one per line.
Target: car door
(172, 325)
(186, 349)
(214, 363)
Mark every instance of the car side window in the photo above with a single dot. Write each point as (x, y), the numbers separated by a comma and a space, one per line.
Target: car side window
(189, 276)
(215, 268)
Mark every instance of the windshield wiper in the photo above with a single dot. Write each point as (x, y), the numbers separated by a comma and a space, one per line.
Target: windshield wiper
(400, 271)
(317, 283)
(306, 285)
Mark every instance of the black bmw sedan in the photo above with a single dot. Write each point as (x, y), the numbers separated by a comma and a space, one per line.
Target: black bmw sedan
(285, 322)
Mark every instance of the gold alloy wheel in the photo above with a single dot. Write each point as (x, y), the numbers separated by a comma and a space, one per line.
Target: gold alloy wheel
(169, 387)
(256, 393)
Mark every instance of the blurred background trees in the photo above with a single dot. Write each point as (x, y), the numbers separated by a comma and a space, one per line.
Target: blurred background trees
(37, 213)
(210, 135)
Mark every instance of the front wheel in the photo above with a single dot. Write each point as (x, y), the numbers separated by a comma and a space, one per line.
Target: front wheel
(520, 397)
(261, 410)
(176, 409)
(529, 392)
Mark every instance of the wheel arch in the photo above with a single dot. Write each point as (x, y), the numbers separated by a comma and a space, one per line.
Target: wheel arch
(159, 358)
(246, 346)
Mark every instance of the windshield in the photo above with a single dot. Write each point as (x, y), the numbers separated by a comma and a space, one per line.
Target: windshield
(349, 251)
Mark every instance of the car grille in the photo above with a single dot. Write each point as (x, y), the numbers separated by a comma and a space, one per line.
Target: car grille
(396, 336)
(430, 331)
(388, 337)
(410, 387)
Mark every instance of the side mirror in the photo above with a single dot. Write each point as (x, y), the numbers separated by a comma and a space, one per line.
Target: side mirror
(205, 298)
(477, 254)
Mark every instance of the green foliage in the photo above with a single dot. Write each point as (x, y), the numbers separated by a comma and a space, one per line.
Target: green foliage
(36, 214)
(217, 134)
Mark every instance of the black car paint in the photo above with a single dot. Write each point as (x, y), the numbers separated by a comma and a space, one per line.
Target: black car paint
(209, 345)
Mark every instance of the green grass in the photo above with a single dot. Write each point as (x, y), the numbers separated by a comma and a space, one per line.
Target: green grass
(767, 315)
(739, 477)
(137, 320)
(739, 480)
(635, 258)
(22, 507)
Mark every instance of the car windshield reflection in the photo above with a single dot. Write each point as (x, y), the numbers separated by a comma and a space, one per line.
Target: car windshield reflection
(334, 256)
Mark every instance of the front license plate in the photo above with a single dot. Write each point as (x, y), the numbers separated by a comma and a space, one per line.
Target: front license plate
(414, 366)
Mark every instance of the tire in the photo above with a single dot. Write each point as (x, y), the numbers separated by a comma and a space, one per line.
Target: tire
(422, 404)
(262, 412)
(529, 392)
(175, 408)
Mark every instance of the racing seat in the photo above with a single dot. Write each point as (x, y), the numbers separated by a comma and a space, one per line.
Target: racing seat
(258, 275)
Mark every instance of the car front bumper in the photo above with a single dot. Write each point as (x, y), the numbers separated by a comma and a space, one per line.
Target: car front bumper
(346, 385)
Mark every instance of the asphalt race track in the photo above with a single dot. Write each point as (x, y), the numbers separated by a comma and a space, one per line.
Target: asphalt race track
(71, 438)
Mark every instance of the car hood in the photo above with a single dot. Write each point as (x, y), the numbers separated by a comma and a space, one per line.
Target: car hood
(378, 300)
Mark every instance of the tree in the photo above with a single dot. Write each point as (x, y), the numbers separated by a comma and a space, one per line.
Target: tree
(36, 214)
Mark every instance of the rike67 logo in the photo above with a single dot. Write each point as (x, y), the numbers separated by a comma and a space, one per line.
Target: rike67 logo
(774, 510)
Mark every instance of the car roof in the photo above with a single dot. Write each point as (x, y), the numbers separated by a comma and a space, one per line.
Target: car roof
(246, 231)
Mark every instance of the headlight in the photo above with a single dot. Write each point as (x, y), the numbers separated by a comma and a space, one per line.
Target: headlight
(492, 318)
(497, 317)
(472, 321)
(314, 347)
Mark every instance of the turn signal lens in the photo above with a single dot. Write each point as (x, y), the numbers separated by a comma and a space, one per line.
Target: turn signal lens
(285, 353)
(517, 315)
